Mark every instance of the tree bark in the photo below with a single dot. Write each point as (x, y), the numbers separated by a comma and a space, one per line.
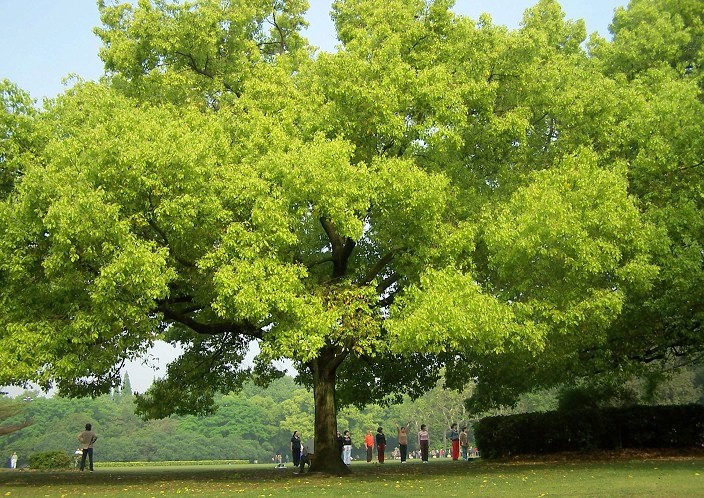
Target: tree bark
(9, 429)
(327, 457)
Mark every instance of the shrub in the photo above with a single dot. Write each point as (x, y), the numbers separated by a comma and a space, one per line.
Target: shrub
(591, 429)
(50, 460)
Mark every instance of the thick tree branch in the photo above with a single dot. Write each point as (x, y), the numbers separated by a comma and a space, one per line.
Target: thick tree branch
(693, 166)
(9, 429)
(193, 65)
(330, 231)
(388, 300)
(377, 268)
(387, 282)
(335, 356)
(209, 328)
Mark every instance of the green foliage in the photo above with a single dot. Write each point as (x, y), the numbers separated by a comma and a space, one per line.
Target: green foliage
(591, 429)
(50, 460)
(18, 139)
(250, 426)
(438, 191)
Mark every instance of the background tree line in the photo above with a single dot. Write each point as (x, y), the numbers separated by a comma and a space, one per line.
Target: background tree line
(257, 423)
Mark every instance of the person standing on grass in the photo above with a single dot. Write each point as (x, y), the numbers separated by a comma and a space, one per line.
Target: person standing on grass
(347, 448)
(340, 443)
(380, 444)
(464, 443)
(369, 444)
(13, 460)
(423, 442)
(403, 441)
(296, 448)
(87, 438)
(455, 439)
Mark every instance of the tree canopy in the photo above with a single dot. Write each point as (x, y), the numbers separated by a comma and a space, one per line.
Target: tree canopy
(519, 205)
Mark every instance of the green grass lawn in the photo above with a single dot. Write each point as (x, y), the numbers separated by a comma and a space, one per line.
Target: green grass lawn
(676, 477)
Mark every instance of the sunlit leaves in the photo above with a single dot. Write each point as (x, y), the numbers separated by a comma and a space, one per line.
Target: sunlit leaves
(565, 239)
(17, 137)
(448, 311)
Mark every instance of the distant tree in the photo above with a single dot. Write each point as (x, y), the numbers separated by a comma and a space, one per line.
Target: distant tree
(126, 389)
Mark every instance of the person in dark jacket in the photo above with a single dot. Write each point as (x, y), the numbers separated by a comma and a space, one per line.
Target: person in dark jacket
(296, 448)
(380, 444)
(340, 443)
(347, 448)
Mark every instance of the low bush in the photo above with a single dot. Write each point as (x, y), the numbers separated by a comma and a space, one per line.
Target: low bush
(50, 460)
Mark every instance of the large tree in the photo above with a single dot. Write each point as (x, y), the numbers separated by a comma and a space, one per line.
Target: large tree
(436, 191)
(651, 92)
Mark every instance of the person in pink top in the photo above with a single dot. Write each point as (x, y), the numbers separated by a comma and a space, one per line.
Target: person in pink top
(424, 442)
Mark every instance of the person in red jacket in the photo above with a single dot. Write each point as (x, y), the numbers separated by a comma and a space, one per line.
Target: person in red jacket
(455, 439)
(369, 445)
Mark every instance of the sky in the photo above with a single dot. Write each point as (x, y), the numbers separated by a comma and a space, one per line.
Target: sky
(46, 41)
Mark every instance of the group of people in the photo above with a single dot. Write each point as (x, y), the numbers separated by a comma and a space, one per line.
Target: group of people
(459, 441)
(299, 452)
(85, 451)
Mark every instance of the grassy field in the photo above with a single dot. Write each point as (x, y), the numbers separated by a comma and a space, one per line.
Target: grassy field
(671, 477)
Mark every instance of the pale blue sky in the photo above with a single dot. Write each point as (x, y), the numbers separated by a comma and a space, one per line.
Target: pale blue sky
(43, 41)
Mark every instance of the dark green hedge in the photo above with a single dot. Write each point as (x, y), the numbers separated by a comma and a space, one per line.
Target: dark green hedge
(591, 429)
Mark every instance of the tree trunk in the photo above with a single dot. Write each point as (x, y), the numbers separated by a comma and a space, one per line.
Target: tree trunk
(327, 456)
